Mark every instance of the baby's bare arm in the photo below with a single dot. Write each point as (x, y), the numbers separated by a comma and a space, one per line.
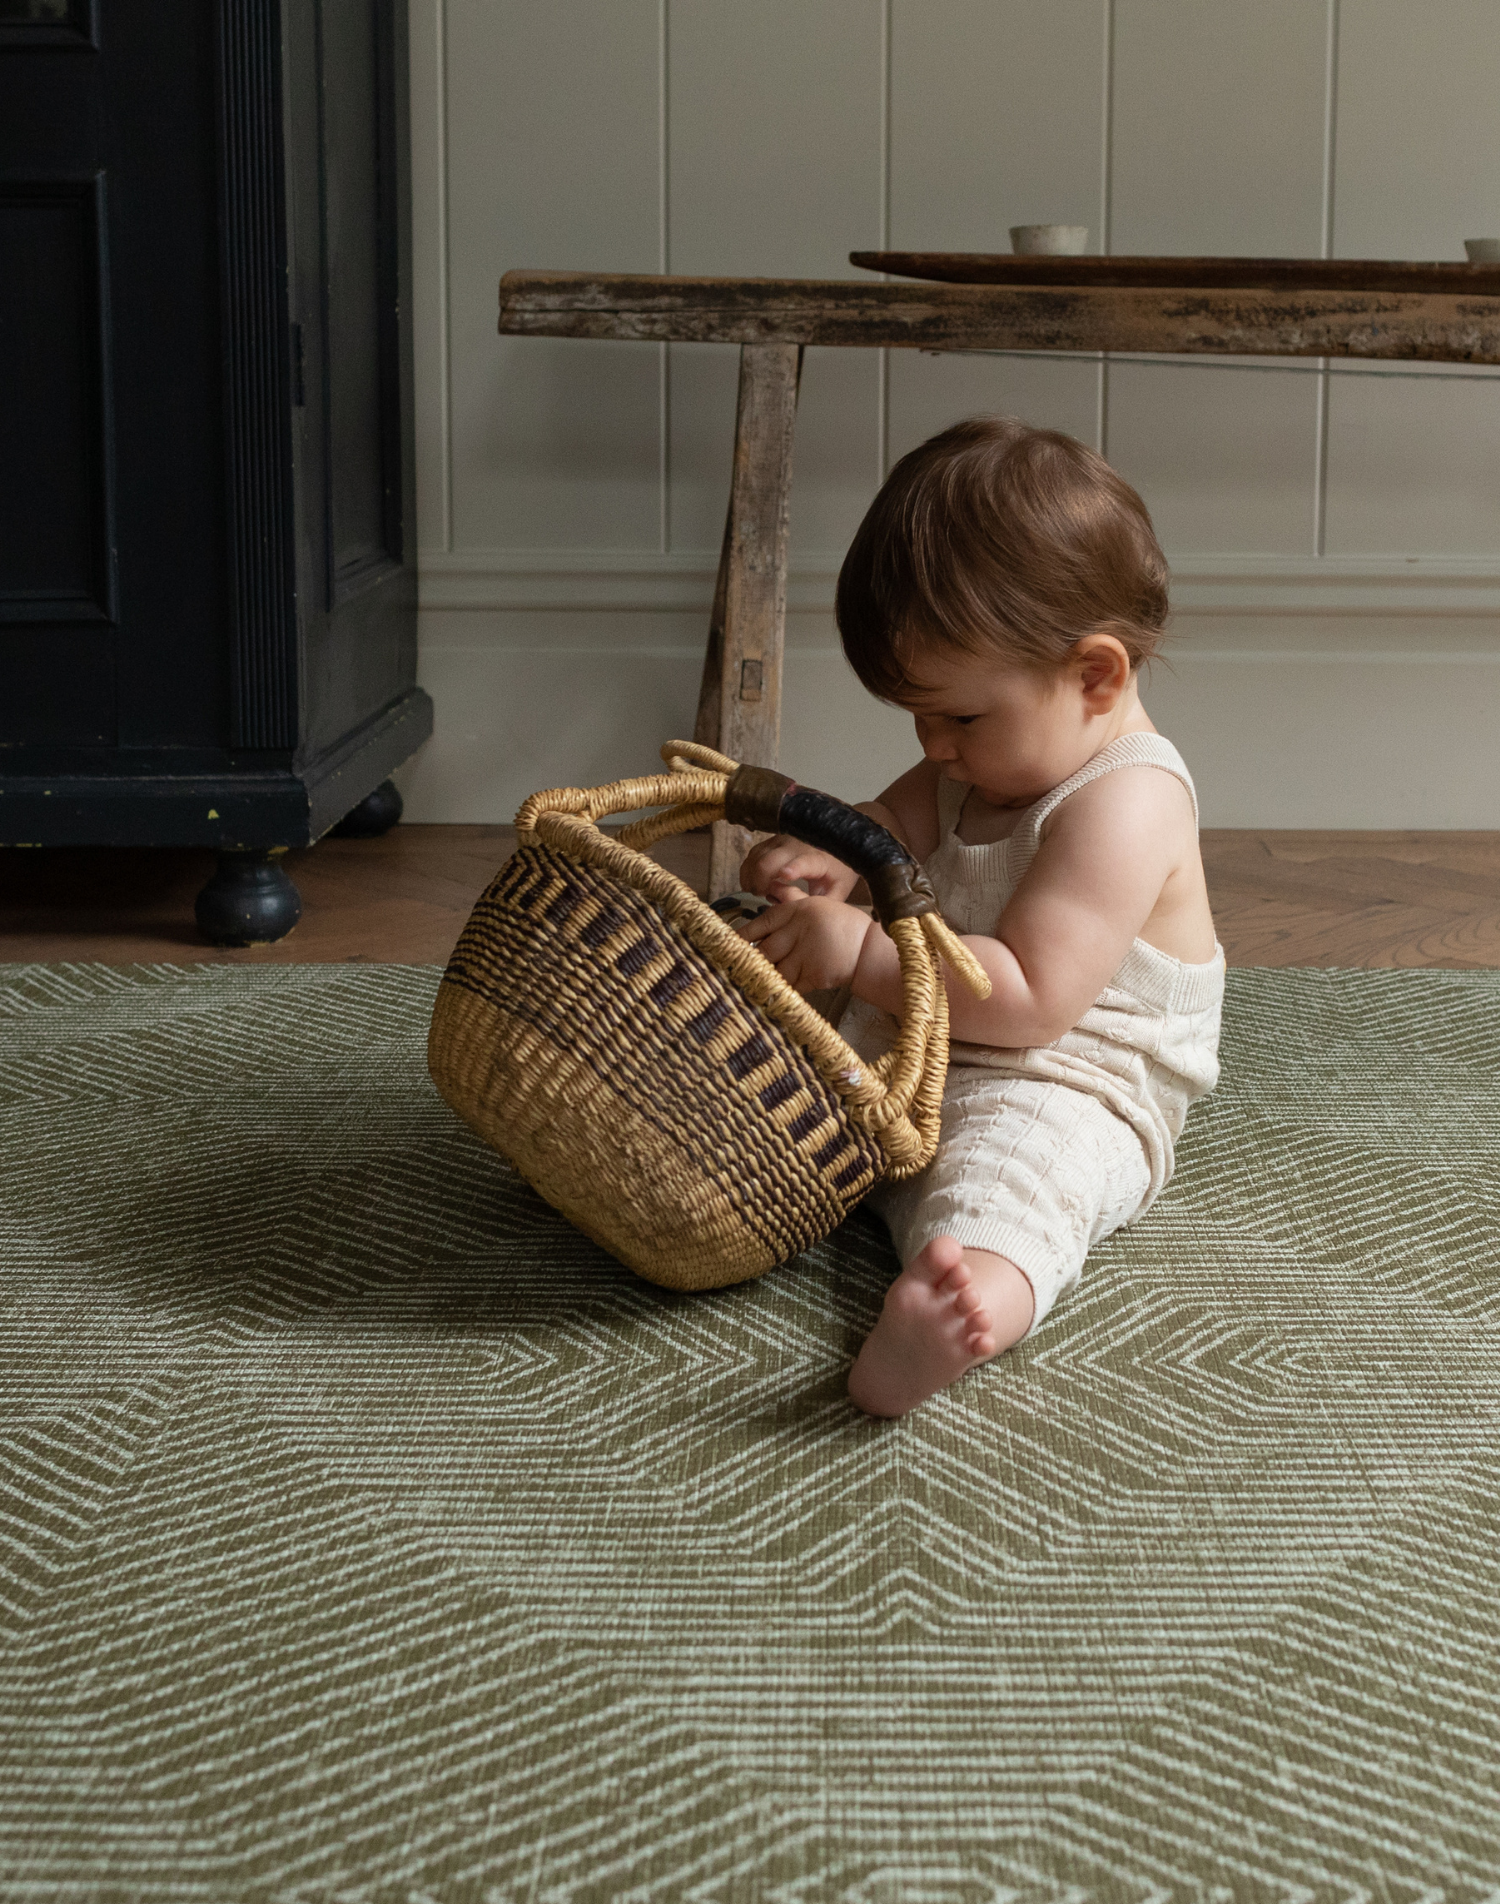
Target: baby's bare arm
(1105, 858)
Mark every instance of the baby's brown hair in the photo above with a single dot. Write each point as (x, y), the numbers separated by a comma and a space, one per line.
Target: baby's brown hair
(996, 536)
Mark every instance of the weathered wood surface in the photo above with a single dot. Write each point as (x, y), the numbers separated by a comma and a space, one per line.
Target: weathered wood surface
(1430, 327)
(1195, 274)
(747, 633)
(711, 686)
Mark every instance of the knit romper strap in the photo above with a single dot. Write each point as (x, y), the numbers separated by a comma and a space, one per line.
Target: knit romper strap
(1130, 750)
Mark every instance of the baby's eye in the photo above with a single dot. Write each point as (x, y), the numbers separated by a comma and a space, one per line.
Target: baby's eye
(962, 720)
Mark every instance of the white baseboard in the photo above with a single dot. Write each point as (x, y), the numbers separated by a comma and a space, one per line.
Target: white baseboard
(1337, 692)
(1388, 727)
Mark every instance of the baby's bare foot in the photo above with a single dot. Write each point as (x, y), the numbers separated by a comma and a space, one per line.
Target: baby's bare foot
(949, 1309)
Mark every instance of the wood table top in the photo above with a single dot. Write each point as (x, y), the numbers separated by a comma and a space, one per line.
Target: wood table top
(1445, 327)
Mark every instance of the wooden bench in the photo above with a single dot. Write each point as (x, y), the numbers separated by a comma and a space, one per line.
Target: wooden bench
(1432, 313)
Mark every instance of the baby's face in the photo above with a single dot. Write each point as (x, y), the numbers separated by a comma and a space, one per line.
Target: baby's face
(1011, 733)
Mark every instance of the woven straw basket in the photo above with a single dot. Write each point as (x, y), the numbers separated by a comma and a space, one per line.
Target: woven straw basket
(650, 1072)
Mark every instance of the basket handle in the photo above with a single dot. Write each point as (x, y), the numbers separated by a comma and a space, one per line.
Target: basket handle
(701, 785)
(770, 802)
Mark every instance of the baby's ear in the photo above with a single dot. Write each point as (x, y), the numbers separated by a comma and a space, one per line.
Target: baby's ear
(1103, 667)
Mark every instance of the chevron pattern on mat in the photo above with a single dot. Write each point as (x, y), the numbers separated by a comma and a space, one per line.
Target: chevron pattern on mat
(369, 1537)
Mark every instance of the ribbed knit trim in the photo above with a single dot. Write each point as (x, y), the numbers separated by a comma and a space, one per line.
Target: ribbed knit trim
(969, 865)
(1130, 750)
(1004, 861)
(1036, 1262)
(974, 865)
(1156, 978)
(1153, 976)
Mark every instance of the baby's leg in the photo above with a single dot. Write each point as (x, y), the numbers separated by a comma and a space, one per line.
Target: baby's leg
(1028, 1176)
(950, 1308)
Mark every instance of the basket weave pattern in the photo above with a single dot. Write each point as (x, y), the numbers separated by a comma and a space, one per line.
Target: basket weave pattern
(664, 1058)
(648, 1071)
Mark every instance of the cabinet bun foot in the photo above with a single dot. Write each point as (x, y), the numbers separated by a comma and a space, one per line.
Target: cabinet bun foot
(377, 813)
(250, 900)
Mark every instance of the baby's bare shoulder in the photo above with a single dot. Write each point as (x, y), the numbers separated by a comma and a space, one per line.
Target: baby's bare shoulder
(1126, 804)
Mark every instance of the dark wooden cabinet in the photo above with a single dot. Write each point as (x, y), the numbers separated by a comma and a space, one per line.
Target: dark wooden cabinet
(207, 507)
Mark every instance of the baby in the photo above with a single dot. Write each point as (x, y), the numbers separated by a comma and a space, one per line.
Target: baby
(1005, 588)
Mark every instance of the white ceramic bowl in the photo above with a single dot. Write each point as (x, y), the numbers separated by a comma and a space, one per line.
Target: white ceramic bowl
(1049, 241)
(1483, 250)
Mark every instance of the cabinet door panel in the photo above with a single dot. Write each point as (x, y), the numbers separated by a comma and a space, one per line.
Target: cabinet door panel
(54, 500)
(57, 593)
(360, 304)
(112, 598)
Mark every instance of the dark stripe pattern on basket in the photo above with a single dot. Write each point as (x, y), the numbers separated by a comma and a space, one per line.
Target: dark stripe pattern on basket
(600, 972)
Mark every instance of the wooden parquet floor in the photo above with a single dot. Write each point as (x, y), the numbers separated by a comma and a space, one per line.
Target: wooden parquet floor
(1280, 898)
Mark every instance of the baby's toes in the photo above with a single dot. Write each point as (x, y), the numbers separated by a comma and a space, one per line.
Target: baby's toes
(968, 1302)
(952, 1280)
(941, 1259)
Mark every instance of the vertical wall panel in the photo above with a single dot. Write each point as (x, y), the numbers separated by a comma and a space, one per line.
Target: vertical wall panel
(1418, 160)
(995, 120)
(774, 171)
(1218, 127)
(928, 392)
(1219, 122)
(774, 135)
(836, 465)
(1226, 459)
(553, 154)
(1412, 464)
(703, 386)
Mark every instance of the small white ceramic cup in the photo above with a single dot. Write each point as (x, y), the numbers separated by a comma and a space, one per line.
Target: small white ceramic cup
(1483, 250)
(1049, 241)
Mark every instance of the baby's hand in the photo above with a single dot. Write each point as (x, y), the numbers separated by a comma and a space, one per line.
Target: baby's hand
(774, 867)
(814, 943)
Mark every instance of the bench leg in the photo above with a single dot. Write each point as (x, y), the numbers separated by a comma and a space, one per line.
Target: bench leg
(739, 706)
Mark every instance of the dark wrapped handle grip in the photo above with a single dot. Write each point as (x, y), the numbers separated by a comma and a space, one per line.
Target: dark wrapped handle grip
(769, 802)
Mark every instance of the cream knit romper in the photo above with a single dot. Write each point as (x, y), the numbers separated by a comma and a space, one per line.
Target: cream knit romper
(1044, 1152)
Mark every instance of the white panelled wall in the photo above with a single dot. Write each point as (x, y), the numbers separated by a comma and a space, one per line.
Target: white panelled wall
(1335, 539)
